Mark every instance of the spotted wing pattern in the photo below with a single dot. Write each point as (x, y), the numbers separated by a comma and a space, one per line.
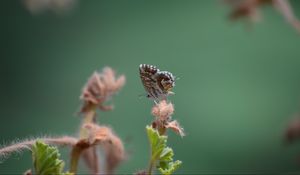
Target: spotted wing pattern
(158, 84)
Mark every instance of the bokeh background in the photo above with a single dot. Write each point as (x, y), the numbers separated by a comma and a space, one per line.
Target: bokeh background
(238, 88)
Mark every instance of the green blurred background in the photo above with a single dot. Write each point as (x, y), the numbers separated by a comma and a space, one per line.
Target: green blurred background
(237, 91)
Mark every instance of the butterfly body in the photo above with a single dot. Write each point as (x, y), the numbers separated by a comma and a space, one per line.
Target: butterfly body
(158, 84)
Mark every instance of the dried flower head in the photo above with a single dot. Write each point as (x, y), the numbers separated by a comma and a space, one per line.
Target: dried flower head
(98, 134)
(246, 8)
(58, 6)
(115, 154)
(90, 158)
(250, 9)
(163, 111)
(175, 126)
(112, 145)
(293, 130)
(99, 88)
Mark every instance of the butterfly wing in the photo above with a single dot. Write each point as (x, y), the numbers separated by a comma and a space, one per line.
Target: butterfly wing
(166, 81)
(158, 84)
(148, 75)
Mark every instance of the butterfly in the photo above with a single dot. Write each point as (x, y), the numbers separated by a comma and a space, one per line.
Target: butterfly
(158, 84)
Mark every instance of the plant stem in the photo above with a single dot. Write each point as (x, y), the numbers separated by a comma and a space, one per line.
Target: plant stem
(152, 162)
(162, 131)
(75, 154)
(83, 134)
(80, 146)
(88, 118)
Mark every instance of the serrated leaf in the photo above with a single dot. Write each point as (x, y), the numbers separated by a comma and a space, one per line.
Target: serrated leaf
(167, 154)
(46, 159)
(157, 142)
(170, 167)
(161, 153)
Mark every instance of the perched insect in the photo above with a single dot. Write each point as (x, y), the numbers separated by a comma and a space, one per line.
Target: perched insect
(158, 84)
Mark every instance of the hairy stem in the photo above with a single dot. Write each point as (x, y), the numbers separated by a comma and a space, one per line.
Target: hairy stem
(75, 154)
(27, 144)
(83, 134)
(88, 118)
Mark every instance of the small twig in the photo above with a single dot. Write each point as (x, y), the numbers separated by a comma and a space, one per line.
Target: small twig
(75, 154)
(83, 134)
(88, 118)
(27, 144)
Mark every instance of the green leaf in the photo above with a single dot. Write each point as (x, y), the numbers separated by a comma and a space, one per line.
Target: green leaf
(161, 153)
(157, 142)
(167, 154)
(67, 173)
(170, 167)
(46, 159)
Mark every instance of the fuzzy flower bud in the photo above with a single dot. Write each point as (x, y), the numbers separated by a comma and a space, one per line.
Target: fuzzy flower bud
(163, 110)
(292, 132)
(99, 88)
